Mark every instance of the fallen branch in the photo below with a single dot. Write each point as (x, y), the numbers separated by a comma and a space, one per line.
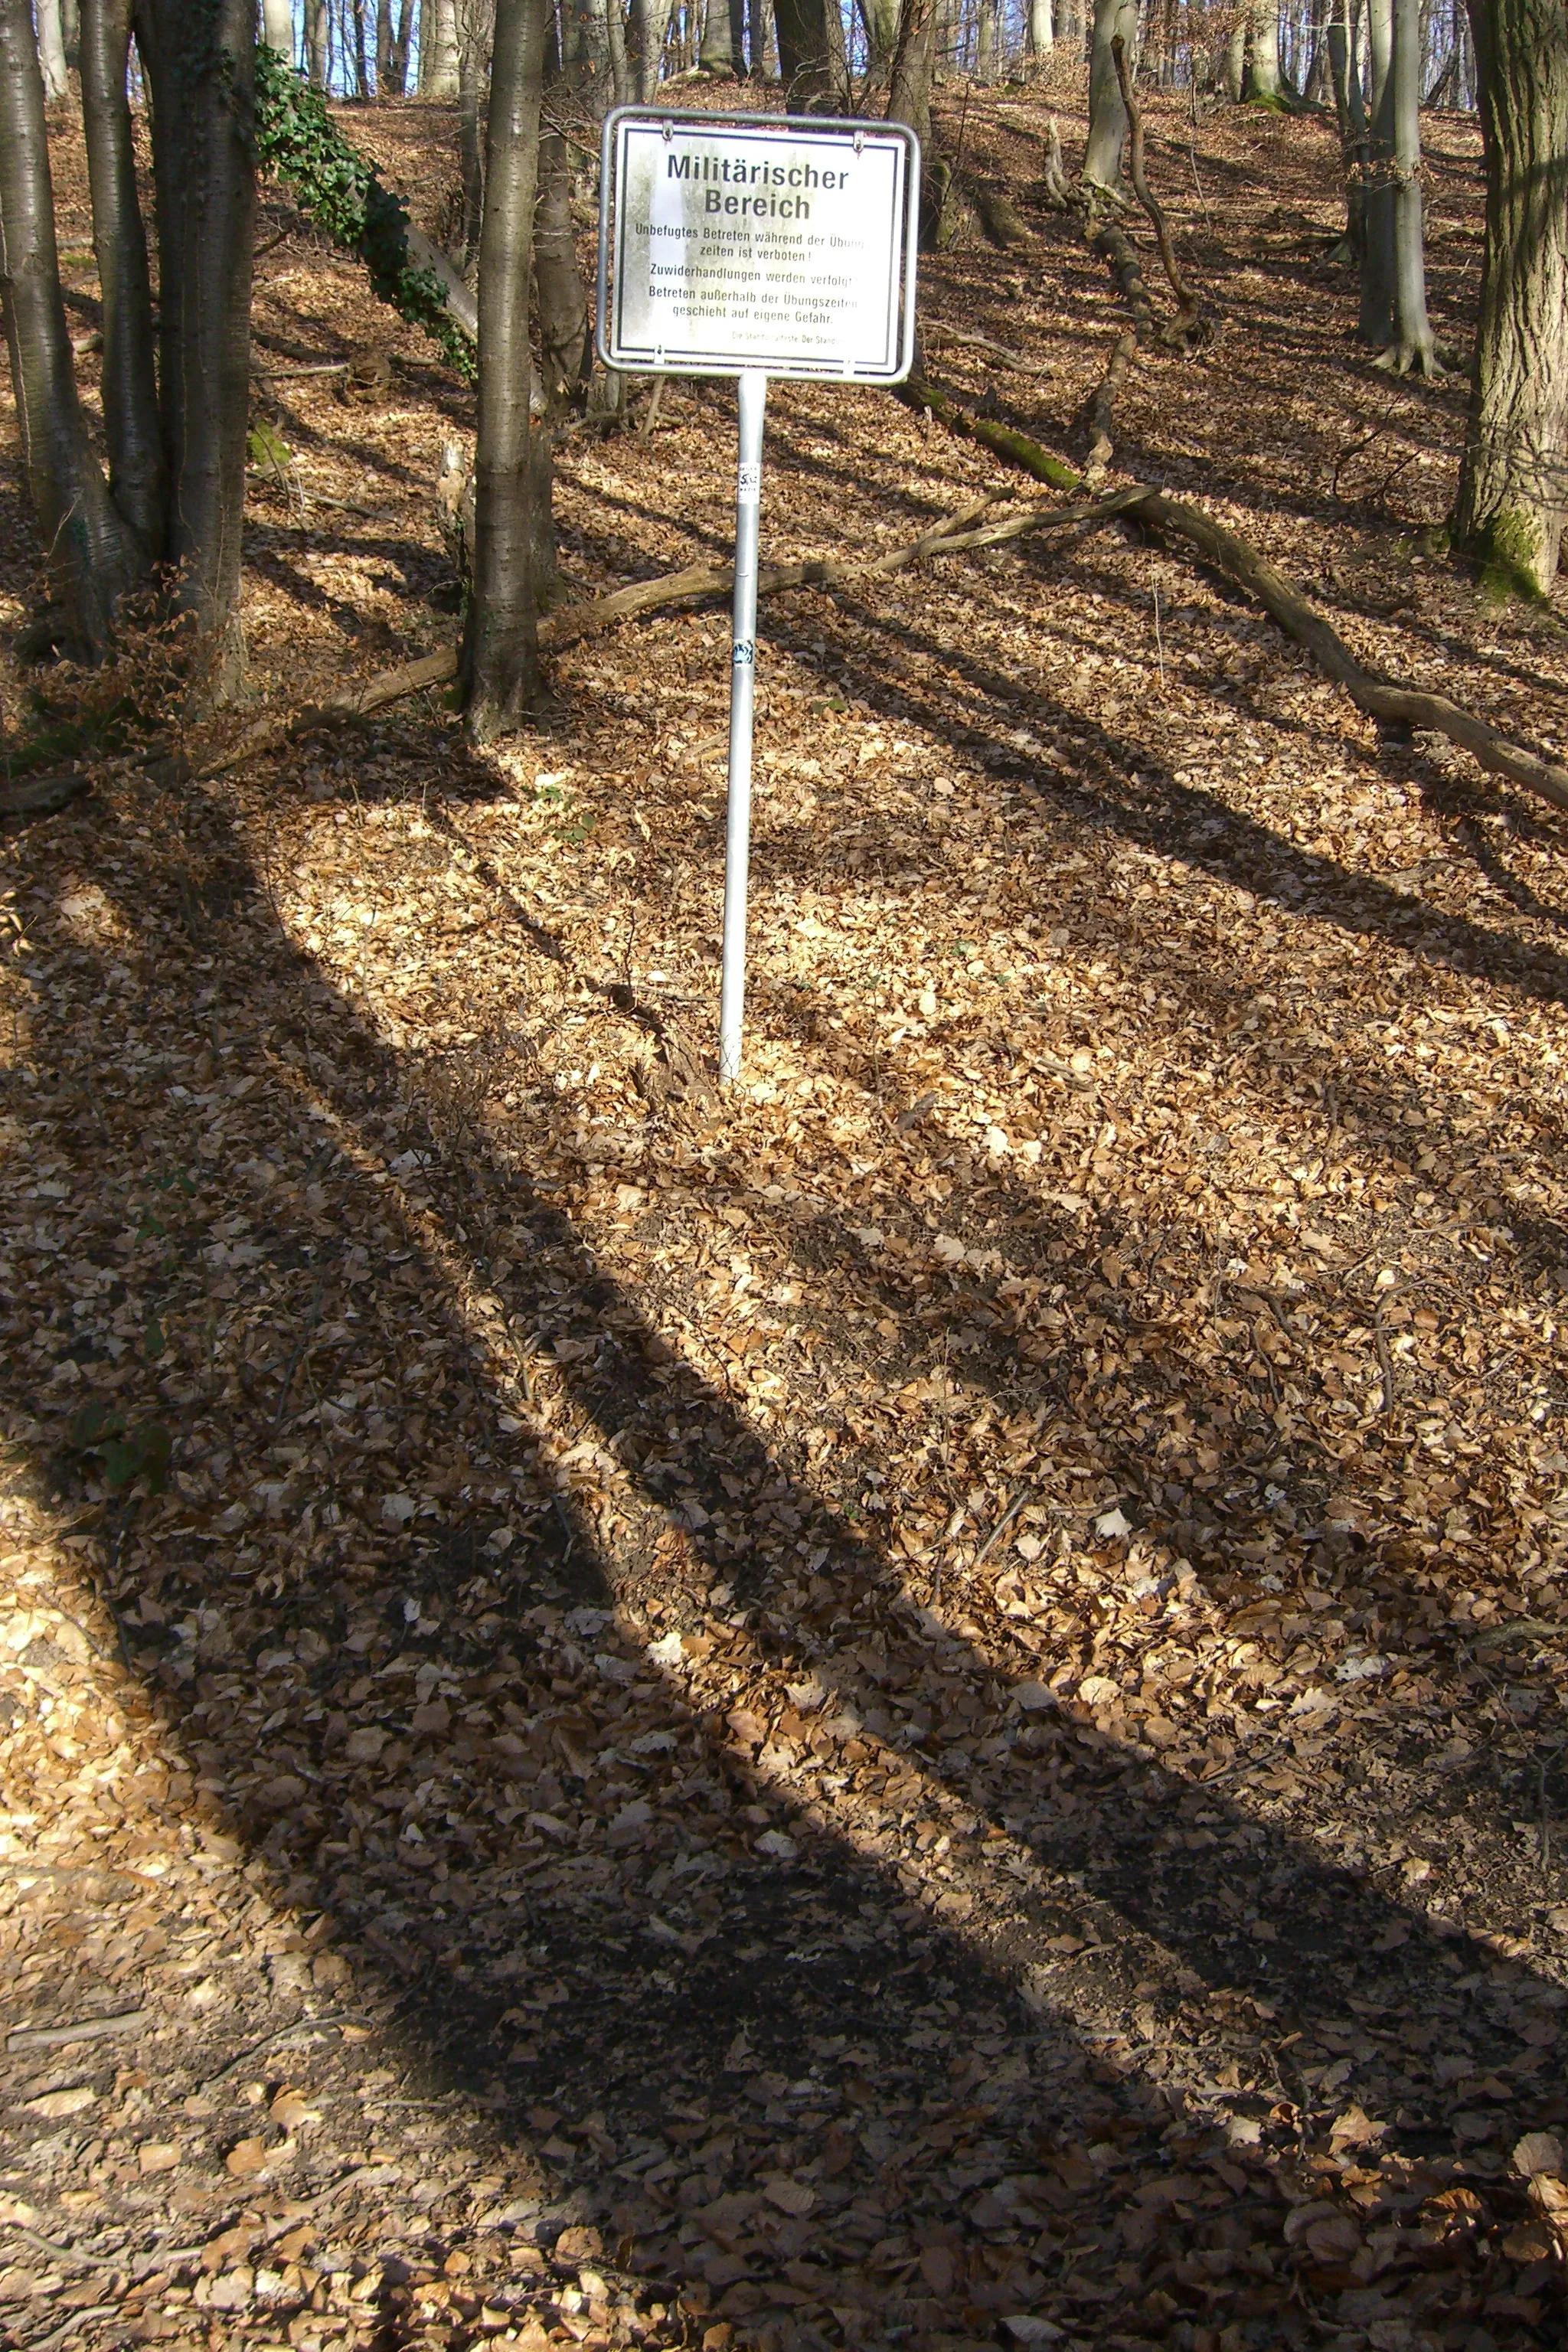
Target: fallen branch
(1381, 699)
(1100, 404)
(1014, 360)
(41, 796)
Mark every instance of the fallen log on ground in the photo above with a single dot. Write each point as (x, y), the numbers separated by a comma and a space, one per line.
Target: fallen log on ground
(1384, 699)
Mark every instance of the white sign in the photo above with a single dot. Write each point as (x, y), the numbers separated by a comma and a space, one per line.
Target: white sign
(735, 243)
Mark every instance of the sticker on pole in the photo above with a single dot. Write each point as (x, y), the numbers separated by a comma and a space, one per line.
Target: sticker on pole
(730, 242)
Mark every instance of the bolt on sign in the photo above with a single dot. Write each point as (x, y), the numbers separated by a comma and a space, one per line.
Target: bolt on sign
(754, 246)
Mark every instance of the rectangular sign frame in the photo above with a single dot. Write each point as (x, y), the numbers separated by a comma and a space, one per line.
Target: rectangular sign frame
(629, 354)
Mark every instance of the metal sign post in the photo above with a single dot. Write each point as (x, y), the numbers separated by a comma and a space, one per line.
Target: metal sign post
(754, 245)
(753, 393)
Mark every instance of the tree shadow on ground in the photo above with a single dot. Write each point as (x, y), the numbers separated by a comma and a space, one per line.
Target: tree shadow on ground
(781, 1899)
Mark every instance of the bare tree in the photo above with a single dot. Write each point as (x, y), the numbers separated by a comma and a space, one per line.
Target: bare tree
(392, 37)
(475, 20)
(137, 477)
(278, 27)
(1263, 64)
(914, 63)
(1042, 28)
(1114, 20)
(52, 51)
(502, 651)
(438, 48)
(91, 556)
(1375, 325)
(1513, 482)
(202, 76)
(723, 47)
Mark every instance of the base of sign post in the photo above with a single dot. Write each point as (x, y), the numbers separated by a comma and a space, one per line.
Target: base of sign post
(753, 393)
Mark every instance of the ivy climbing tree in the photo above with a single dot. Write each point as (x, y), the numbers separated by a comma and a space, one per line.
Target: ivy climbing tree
(340, 190)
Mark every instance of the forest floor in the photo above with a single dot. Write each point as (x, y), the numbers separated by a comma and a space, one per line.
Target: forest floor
(920, 1707)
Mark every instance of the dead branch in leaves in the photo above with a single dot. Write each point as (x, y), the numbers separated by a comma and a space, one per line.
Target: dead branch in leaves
(1384, 699)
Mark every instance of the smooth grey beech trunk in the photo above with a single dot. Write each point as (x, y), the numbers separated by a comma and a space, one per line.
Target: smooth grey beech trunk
(318, 41)
(1106, 115)
(1042, 28)
(133, 431)
(650, 24)
(473, 29)
(52, 51)
(1350, 109)
(202, 74)
(1411, 343)
(91, 555)
(1263, 68)
(1375, 324)
(565, 332)
(1513, 481)
(502, 651)
(277, 26)
(724, 37)
(438, 48)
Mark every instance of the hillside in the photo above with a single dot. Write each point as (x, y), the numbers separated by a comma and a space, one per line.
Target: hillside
(919, 1705)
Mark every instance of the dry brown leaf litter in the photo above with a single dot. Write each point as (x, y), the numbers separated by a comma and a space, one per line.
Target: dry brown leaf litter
(921, 1709)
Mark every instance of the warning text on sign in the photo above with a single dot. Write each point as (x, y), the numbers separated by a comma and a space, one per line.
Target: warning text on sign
(774, 246)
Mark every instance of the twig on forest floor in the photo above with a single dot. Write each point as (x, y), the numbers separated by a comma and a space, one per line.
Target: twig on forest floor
(68, 2254)
(1001, 1528)
(87, 2029)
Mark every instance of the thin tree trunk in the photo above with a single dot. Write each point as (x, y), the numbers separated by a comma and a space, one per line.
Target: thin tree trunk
(1106, 115)
(985, 41)
(203, 90)
(622, 79)
(397, 78)
(1513, 481)
(384, 40)
(565, 334)
(1375, 325)
(131, 420)
(1236, 57)
(91, 555)
(316, 33)
(361, 60)
(472, 30)
(70, 33)
(52, 51)
(502, 650)
(278, 27)
(1413, 344)
(1350, 108)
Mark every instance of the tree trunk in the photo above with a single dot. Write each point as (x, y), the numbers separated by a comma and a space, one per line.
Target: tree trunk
(1413, 344)
(1236, 57)
(70, 33)
(472, 30)
(622, 80)
(502, 649)
(1375, 325)
(52, 51)
(1263, 75)
(880, 18)
(586, 27)
(723, 38)
(278, 27)
(985, 42)
(397, 79)
(565, 331)
(438, 48)
(131, 421)
(1350, 109)
(316, 41)
(1513, 481)
(1106, 115)
(384, 40)
(203, 90)
(1042, 29)
(914, 62)
(90, 556)
(361, 60)
(650, 24)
